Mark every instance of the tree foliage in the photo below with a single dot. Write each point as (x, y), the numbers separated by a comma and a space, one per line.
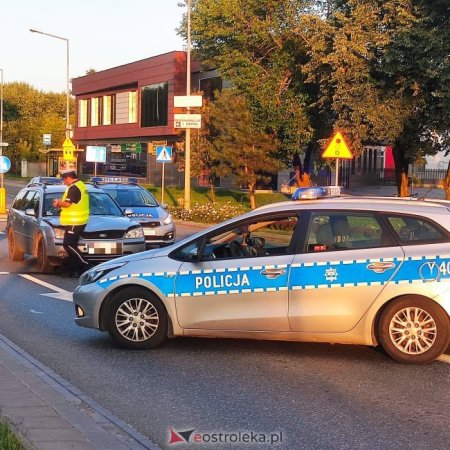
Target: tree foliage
(239, 148)
(28, 114)
(377, 70)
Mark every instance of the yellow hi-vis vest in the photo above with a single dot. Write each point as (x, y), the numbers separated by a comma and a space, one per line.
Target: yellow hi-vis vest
(76, 213)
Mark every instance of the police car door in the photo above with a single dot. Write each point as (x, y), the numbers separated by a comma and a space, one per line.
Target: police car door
(347, 260)
(240, 281)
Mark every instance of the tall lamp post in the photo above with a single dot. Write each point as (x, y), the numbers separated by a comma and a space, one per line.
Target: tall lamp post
(67, 76)
(187, 152)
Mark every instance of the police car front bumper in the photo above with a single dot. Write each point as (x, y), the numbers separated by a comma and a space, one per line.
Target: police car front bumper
(88, 300)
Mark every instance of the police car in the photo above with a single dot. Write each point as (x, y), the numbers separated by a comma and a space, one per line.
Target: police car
(140, 205)
(326, 268)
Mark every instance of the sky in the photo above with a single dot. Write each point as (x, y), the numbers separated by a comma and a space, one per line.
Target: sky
(101, 33)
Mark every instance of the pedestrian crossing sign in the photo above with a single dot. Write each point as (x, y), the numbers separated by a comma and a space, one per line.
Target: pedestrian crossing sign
(163, 154)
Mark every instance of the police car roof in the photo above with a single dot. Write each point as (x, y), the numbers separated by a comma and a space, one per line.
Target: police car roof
(399, 204)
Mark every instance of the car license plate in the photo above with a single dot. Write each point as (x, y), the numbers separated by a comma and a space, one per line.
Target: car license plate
(149, 232)
(105, 248)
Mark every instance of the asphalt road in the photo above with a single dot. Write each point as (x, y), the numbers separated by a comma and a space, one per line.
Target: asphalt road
(312, 396)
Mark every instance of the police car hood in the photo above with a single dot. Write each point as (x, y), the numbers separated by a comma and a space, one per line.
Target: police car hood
(144, 212)
(100, 223)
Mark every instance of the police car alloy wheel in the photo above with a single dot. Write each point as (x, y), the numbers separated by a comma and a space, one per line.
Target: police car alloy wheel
(414, 330)
(136, 319)
(15, 252)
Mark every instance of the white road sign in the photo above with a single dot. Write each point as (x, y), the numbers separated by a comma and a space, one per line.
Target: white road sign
(187, 101)
(187, 121)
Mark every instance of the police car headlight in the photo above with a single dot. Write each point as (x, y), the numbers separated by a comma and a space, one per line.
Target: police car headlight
(134, 233)
(59, 233)
(167, 220)
(96, 273)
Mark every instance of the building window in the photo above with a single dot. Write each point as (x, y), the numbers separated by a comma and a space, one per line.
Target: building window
(154, 105)
(132, 106)
(82, 113)
(95, 111)
(209, 85)
(108, 109)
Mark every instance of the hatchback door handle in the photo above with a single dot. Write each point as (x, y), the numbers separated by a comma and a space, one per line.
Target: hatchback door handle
(380, 266)
(273, 273)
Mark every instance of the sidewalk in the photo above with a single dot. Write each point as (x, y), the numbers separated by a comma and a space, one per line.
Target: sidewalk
(47, 413)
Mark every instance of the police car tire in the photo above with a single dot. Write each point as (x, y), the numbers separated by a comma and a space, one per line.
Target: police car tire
(152, 301)
(43, 263)
(14, 250)
(437, 314)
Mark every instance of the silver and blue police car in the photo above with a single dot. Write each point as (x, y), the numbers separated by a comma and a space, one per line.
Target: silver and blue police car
(140, 205)
(329, 268)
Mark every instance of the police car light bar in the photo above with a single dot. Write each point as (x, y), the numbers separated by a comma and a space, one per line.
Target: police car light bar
(311, 193)
(125, 180)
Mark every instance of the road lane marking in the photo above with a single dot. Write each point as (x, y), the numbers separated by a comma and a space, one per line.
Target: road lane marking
(60, 294)
(444, 359)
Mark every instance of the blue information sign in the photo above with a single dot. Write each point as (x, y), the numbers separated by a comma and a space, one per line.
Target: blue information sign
(5, 164)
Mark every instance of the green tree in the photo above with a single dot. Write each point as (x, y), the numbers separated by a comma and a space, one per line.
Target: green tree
(255, 44)
(239, 148)
(29, 113)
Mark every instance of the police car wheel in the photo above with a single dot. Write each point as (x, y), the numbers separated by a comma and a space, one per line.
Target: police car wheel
(136, 319)
(43, 263)
(14, 251)
(414, 330)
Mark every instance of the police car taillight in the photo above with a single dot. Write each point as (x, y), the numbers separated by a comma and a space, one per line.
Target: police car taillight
(310, 193)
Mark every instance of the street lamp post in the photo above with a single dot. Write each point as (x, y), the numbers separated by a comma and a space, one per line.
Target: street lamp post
(187, 152)
(67, 75)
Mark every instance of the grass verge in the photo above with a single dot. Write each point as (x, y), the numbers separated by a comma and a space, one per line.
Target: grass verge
(8, 441)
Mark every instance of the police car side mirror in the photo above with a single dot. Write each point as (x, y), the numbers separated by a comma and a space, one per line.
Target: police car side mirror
(128, 211)
(164, 205)
(30, 212)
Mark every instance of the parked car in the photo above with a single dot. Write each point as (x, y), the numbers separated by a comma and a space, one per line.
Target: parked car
(350, 270)
(139, 204)
(33, 227)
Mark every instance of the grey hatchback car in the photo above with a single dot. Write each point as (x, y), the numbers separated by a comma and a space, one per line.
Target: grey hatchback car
(33, 227)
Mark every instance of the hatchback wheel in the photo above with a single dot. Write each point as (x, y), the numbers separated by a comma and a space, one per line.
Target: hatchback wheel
(43, 263)
(14, 250)
(136, 319)
(414, 330)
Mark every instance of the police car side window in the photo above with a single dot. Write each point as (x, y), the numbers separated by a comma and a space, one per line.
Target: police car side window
(345, 231)
(19, 200)
(416, 230)
(265, 237)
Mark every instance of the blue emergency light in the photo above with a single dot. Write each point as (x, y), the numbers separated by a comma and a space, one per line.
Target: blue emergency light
(311, 193)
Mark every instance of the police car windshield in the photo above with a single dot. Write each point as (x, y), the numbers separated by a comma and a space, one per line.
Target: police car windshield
(100, 204)
(128, 198)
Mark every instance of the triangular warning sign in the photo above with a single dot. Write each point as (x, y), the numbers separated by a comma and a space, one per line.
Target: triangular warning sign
(337, 148)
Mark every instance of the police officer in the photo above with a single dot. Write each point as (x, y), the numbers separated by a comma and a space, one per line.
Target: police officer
(74, 216)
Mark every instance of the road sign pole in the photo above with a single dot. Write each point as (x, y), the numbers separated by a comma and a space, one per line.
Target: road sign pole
(337, 172)
(162, 181)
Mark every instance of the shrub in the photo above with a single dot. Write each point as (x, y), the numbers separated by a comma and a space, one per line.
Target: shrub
(208, 212)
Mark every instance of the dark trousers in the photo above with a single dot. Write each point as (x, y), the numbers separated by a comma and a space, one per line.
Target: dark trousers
(72, 235)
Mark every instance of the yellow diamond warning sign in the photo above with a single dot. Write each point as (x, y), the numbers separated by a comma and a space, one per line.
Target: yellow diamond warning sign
(337, 148)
